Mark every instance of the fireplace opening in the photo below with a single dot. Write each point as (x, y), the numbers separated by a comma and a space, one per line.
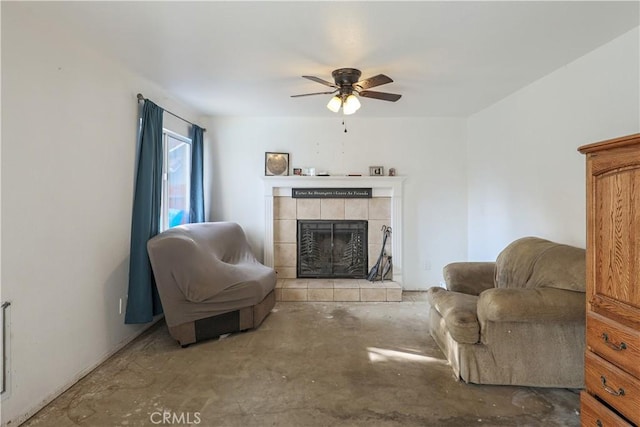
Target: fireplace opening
(332, 249)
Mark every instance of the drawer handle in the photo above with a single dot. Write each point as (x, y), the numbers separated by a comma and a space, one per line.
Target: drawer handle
(599, 423)
(616, 347)
(608, 389)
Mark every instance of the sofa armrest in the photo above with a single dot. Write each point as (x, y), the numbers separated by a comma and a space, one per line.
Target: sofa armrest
(469, 277)
(539, 305)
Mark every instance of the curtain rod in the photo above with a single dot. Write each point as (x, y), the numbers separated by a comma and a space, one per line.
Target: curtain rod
(142, 98)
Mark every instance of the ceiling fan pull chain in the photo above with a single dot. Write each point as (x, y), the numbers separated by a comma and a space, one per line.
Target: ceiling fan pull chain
(345, 126)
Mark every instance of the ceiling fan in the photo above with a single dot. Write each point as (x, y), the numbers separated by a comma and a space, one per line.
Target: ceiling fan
(347, 85)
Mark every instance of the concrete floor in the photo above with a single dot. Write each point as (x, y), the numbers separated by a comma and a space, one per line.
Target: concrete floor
(309, 364)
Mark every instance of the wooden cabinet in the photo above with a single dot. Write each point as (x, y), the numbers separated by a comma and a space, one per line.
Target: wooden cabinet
(593, 413)
(612, 360)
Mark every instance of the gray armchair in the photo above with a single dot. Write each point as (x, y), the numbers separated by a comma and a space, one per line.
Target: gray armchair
(209, 281)
(519, 320)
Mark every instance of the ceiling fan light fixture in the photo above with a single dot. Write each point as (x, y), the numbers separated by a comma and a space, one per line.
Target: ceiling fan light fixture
(351, 104)
(334, 104)
(347, 88)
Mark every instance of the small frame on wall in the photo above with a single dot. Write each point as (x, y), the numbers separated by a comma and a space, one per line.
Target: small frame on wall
(276, 164)
(376, 170)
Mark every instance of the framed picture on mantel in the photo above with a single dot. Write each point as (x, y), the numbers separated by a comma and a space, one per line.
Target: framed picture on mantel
(376, 171)
(276, 164)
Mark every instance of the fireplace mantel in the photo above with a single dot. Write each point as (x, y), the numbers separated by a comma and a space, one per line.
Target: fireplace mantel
(382, 186)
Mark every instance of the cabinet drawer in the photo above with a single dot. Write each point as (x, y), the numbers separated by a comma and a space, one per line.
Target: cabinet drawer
(613, 385)
(595, 414)
(616, 343)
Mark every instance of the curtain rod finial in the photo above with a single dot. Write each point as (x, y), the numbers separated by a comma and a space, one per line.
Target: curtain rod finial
(140, 97)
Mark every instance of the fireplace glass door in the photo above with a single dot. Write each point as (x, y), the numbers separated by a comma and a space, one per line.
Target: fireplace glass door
(332, 249)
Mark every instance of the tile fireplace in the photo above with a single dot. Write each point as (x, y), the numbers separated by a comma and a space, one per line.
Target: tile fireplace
(282, 213)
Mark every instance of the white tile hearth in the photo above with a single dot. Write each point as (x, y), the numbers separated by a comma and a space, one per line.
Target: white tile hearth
(352, 290)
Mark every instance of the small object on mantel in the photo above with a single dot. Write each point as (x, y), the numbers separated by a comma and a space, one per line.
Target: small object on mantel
(392, 171)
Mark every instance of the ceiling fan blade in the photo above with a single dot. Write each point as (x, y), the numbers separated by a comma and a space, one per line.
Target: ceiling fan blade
(315, 93)
(393, 97)
(374, 81)
(319, 80)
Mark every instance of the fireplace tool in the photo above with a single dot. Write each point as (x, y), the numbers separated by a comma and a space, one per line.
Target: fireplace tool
(378, 267)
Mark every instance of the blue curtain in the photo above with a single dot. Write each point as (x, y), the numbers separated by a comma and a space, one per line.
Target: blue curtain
(143, 301)
(196, 213)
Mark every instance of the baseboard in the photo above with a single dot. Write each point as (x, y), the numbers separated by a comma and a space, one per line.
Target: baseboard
(24, 417)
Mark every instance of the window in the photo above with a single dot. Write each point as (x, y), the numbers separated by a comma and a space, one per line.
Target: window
(176, 180)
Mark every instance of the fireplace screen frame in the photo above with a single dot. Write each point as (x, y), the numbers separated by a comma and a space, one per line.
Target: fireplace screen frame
(360, 273)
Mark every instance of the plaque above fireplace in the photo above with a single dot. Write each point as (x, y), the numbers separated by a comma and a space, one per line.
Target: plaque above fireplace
(331, 193)
(332, 249)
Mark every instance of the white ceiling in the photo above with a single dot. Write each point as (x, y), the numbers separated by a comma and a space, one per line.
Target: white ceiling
(246, 58)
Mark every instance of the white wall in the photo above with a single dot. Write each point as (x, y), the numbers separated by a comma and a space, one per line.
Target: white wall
(430, 152)
(524, 172)
(69, 122)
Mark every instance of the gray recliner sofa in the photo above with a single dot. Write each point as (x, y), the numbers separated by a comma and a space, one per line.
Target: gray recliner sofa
(519, 320)
(209, 281)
